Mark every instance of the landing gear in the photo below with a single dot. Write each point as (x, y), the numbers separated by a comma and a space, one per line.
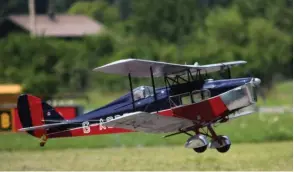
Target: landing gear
(42, 144)
(222, 144)
(43, 140)
(199, 142)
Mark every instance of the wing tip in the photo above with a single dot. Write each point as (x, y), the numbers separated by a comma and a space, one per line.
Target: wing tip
(112, 63)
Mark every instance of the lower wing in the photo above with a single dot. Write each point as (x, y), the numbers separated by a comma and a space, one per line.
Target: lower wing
(130, 122)
(149, 122)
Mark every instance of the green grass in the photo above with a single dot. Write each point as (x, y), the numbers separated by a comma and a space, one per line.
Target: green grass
(252, 128)
(280, 95)
(259, 157)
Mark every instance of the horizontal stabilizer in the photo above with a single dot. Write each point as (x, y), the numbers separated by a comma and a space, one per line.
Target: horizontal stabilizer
(42, 127)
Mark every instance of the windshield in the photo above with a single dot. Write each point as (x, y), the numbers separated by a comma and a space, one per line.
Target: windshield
(142, 92)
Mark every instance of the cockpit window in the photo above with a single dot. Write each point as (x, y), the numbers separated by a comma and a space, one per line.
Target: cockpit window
(142, 92)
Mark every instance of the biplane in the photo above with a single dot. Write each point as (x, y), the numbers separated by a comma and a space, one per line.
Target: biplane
(188, 102)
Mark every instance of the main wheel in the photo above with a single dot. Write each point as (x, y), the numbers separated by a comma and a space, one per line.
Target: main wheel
(42, 144)
(227, 144)
(224, 148)
(198, 143)
(200, 149)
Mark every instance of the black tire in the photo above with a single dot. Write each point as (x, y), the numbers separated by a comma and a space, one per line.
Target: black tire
(42, 144)
(224, 149)
(200, 149)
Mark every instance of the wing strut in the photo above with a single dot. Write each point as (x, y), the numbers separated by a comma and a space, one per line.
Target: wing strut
(153, 84)
(179, 132)
(229, 73)
(131, 89)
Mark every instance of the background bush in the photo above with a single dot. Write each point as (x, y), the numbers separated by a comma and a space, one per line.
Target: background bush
(181, 31)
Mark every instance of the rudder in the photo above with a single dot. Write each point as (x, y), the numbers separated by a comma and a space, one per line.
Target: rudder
(33, 111)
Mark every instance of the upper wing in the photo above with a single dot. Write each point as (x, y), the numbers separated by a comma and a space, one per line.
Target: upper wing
(141, 68)
(149, 122)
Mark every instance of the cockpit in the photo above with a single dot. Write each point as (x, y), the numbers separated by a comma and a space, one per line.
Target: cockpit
(142, 92)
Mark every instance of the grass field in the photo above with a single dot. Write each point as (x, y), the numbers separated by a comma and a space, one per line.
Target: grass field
(253, 128)
(262, 156)
(280, 95)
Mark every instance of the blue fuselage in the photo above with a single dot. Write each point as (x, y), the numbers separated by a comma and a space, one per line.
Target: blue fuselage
(124, 104)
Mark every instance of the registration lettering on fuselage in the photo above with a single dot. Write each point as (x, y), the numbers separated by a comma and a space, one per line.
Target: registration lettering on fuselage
(86, 125)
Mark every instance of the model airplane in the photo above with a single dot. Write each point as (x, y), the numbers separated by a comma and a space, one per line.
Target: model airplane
(189, 102)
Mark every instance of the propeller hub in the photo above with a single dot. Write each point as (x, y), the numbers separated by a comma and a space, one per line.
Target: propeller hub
(256, 81)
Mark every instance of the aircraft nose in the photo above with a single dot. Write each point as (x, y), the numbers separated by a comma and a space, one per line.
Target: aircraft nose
(256, 81)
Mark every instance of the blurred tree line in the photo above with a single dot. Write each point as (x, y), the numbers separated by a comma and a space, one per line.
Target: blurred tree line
(178, 31)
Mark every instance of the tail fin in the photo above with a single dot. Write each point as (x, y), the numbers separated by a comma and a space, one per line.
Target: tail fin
(33, 111)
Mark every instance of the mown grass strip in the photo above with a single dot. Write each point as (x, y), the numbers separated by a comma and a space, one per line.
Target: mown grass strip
(250, 156)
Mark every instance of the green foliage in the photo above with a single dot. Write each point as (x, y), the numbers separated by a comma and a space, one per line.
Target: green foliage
(99, 10)
(164, 20)
(12, 6)
(28, 63)
(181, 31)
(47, 66)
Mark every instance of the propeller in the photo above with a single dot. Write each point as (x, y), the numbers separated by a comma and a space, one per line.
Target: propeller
(256, 81)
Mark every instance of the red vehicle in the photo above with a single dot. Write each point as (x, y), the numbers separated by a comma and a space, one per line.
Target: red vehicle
(190, 101)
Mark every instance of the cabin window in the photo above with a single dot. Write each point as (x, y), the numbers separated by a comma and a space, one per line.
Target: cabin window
(186, 99)
(142, 92)
(200, 95)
